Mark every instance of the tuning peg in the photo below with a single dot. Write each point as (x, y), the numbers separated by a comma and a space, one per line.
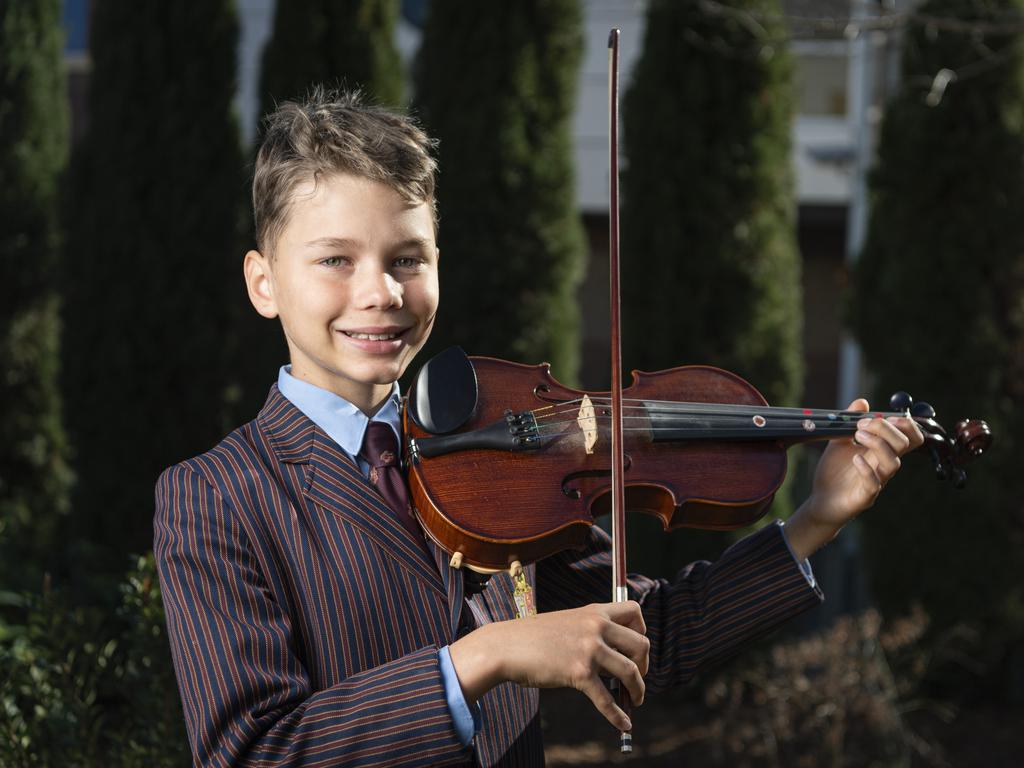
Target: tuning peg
(901, 401)
(922, 410)
(941, 471)
(959, 478)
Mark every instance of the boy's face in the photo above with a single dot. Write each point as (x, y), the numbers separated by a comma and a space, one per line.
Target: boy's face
(354, 280)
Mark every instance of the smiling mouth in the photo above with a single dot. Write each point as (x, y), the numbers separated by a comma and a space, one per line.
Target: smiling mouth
(373, 336)
(379, 333)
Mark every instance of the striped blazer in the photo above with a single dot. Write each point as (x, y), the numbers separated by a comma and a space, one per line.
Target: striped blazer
(305, 620)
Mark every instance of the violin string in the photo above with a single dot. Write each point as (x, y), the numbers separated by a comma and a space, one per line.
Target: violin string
(785, 428)
(744, 412)
(727, 420)
(575, 415)
(823, 417)
(727, 406)
(720, 408)
(752, 433)
(668, 406)
(545, 408)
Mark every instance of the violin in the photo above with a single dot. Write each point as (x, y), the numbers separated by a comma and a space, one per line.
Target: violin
(508, 465)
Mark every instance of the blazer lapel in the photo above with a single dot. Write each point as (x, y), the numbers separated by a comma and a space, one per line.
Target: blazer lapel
(336, 484)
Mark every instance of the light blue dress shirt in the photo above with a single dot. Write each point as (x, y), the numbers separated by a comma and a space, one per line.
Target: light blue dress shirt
(346, 425)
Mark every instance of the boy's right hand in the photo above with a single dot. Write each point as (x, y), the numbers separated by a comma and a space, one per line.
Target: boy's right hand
(561, 649)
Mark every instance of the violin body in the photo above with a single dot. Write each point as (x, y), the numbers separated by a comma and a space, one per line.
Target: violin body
(506, 464)
(498, 506)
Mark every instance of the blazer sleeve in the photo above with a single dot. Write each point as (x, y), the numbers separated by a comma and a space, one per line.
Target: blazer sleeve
(704, 615)
(247, 699)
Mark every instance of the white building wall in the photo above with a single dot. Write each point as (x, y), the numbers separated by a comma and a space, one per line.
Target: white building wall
(256, 19)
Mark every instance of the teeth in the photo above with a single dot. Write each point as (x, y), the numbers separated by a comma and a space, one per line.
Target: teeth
(372, 336)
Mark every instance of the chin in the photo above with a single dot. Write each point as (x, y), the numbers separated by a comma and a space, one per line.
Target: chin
(380, 374)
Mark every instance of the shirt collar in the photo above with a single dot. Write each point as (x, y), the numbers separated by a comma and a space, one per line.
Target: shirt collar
(343, 422)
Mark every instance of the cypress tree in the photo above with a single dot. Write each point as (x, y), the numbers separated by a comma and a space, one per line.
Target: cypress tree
(152, 245)
(708, 202)
(708, 215)
(511, 240)
(938, 310)
(34, 478)
(330, 41)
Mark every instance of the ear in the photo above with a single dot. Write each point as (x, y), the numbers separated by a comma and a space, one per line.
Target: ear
(258, 282)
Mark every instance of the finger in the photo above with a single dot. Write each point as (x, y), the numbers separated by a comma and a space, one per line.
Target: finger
(880, 455)
(630, 644)
(888, 431)
(605, 703)
(860, 404)
(627, 614)
(625, 671)
(872, 481)
(910, 428)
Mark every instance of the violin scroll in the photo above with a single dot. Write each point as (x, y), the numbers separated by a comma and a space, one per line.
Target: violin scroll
(970, 438)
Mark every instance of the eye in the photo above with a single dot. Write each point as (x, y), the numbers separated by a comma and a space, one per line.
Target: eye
(408, 262)
(333, 261)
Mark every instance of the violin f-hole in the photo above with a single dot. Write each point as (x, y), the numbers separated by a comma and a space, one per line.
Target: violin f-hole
(576, 493)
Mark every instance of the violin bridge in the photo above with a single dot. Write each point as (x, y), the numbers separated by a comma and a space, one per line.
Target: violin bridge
(588, 424)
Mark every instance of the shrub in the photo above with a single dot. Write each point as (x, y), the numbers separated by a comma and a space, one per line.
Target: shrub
(89, 686)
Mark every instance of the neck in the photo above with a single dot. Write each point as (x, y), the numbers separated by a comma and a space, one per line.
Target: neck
(696, 421)
(367, 397)
(374, 403)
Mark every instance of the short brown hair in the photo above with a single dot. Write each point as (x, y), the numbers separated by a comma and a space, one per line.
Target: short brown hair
(335, 132)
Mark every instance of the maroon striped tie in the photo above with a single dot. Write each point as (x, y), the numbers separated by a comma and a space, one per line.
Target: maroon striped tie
(380, 451)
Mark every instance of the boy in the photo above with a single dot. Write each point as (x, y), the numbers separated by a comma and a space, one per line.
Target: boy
(310, 621)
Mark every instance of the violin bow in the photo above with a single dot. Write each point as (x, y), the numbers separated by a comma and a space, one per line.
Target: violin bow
(620, 592)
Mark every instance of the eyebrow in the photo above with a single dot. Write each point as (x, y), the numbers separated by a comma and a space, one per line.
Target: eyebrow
(347, 242)
(334, 242)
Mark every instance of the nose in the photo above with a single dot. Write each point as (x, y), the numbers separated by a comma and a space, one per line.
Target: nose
(377, 288)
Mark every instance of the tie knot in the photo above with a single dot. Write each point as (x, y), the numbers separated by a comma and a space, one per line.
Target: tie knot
(380, 446)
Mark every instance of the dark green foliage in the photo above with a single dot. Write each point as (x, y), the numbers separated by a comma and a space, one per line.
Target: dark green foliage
(350, 42)
(90, 686)
(711, 271)
(152, 254)
(708, 205)
(939, 310)
(34, 478)
(496, 84)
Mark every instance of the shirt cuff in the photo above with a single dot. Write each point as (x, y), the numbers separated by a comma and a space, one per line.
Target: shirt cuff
(805, 564)
(465, 720)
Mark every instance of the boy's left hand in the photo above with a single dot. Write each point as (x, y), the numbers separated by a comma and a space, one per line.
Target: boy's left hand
(849, 477)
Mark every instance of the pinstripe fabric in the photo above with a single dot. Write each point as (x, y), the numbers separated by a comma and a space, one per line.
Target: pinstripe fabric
(305, 620)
